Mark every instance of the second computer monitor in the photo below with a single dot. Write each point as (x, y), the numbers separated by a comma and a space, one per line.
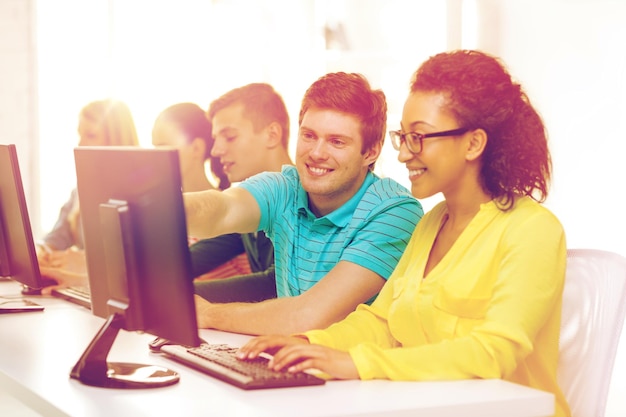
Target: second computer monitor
(136, 239)
(18, 259)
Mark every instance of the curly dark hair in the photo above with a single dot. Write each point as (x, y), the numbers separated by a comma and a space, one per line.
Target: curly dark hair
(481, 94)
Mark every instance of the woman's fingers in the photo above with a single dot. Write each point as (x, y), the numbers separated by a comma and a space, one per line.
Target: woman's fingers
(268, 344)
(298, 358)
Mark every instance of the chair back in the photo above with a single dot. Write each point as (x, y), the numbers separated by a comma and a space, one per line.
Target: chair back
(594, 306)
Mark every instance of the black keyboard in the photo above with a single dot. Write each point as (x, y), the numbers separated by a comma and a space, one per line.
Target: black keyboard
(76, 294)
(220, 362)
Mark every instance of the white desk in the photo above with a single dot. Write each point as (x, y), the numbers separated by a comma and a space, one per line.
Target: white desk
(38, 349)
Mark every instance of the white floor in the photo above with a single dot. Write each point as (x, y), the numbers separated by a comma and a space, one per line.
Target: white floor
(616, 405)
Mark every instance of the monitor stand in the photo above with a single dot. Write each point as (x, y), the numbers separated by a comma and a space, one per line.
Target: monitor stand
(93, 369)
(45, 282)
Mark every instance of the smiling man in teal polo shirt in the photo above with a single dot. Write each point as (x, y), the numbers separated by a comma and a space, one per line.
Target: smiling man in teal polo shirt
(367, 230)
(338, 230)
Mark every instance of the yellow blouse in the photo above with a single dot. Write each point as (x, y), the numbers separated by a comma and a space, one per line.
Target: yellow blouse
(491, 308)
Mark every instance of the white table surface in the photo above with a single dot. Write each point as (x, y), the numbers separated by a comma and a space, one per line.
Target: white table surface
(38, 349)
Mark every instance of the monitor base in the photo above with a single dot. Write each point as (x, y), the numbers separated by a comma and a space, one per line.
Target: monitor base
(131, 375)
(93, 369)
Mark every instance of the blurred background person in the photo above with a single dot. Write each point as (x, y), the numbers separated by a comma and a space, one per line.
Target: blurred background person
(185, 127)
(101, 123)
(106, 122)
(251, 135)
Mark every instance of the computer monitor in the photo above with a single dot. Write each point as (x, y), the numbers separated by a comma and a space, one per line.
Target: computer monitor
(137, 255)
(18, 259)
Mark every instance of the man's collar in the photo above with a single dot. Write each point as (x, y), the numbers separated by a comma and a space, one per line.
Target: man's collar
(341, 216)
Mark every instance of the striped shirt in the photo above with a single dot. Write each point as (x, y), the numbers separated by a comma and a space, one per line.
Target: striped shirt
(371, 229)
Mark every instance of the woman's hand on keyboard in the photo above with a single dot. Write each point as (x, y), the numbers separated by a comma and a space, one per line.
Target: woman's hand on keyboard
(268, 344)
(296, 354)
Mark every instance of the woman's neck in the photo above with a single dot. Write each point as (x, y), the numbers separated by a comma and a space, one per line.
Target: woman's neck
(462, 207)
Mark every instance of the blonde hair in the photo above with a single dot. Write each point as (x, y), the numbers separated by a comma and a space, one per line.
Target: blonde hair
(116, 120)
(118, 125)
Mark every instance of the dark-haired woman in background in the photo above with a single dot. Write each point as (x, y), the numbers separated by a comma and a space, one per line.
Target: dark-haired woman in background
(185, 126)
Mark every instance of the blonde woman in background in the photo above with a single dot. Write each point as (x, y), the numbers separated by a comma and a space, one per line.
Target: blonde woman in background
(107, 122)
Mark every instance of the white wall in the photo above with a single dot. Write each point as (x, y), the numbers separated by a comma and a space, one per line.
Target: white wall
(18, 93)
(571, 57)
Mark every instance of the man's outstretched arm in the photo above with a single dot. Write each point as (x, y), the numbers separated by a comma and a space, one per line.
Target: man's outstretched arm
(330, 300)
(214, 213)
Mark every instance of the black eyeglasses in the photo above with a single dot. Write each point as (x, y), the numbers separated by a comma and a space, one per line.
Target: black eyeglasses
(414, 140)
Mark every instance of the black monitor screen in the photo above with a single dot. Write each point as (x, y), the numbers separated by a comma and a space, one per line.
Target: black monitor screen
(136, 244)
(18, 259)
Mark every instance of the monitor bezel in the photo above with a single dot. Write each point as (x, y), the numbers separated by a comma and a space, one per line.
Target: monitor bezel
(17, 245)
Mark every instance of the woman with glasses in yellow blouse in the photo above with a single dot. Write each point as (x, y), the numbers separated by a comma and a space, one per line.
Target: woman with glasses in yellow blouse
(477, 293)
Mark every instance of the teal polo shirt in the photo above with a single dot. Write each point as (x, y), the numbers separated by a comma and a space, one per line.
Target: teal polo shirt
(371, 229)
